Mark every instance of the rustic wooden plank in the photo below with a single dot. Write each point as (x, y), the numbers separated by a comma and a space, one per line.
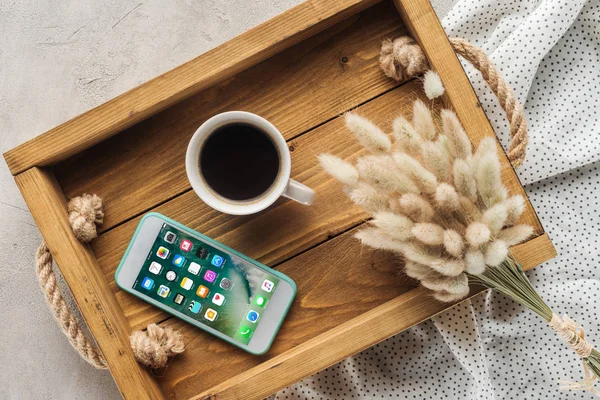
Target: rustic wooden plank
(336, 70)
(337, 281)
(351, 281)
(534, 252)
(265, 236)
(330, 347)
(79, 267)
(223, 62)
(352, 336)
(425, 28)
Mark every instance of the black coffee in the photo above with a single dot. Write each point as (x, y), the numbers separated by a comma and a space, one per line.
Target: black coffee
(239, 162)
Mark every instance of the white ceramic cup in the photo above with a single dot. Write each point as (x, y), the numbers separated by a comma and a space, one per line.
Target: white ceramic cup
(282, 185)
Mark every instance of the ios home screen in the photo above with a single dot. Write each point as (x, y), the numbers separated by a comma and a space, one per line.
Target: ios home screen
(217, 289)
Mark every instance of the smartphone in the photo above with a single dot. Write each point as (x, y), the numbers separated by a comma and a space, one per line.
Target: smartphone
(205, 283)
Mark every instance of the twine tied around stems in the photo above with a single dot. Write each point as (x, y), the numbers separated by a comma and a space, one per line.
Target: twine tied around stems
(574, 334)
(153, 347)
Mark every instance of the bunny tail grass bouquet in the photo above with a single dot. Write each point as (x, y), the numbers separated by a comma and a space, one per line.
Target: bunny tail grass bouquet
(442, 205)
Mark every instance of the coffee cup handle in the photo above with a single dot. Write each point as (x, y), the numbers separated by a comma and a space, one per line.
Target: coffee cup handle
(299, 192)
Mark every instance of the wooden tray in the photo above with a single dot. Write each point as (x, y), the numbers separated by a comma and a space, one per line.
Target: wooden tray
(301, 70)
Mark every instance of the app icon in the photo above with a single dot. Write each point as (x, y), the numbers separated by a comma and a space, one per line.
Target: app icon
(218, 299)
(245, 331)
(210, 314)
(187, 283)
(147, 283)
(179, 298)
(225, 284)
(195, 306)
(185, 245)
(171, 276)
(267, 285)
(201, 253)
(155, 268)
(163, 291)
(252, 316)
(210, 276)
(162, 252)
(170, 237)
(178, 260)
(217, 261)
(260, 301)
(202, 291)
(194, 268)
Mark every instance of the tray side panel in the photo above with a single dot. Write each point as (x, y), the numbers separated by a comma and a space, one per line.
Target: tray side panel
(79, 267)
(225, 61)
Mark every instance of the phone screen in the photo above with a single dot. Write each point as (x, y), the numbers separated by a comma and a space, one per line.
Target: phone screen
(214, 287)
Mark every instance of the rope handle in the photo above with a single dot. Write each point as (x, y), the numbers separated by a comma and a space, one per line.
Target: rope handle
(402, 59)
(153, 347)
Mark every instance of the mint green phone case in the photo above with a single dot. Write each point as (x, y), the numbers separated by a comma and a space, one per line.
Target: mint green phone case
(218, 245)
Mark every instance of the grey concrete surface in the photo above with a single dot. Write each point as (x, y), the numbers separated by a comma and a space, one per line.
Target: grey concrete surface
(57, 60)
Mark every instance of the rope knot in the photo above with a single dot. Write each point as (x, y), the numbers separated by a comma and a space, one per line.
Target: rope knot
(402, 58)
(154, 347)
(85, 212)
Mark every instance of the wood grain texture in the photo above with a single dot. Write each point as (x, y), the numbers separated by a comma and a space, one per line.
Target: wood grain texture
(79, 267)
(352, 336)
(351, 281)
(337, 281)
(534, 252)
(268, 236)
(426, 29)
(296, 90)
(223, 62)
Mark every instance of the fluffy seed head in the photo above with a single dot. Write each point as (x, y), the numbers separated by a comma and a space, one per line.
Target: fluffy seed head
(395, 225)
(416, 208)
(423, 121)
(437, 160)
(458, 141)
(383, 177)
(453, 243)
(495, 217)
(458, 285)
(495, 253)
(477, 234)
(420, 253)
(368, 134)
(446, 197)
(475, 262)
(367, 196)
(432, 84)
(341, 170)
(419, 174)
(377, 238)
(428, 233)
(487, 175)
(515, 205)
(406, 137)
(464, 179)
(449, 267)
(515, 234)
(420, 271)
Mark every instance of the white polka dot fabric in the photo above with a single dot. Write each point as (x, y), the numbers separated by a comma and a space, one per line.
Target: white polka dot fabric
(490, 347)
